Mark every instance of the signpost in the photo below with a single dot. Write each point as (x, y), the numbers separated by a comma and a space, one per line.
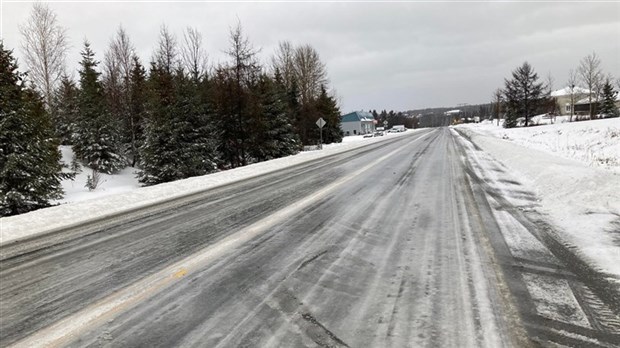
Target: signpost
(321, 122)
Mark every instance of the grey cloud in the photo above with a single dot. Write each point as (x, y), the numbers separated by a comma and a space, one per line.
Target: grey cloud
(378, 55)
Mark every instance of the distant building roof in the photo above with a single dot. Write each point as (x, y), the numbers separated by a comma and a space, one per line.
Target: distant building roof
(456, 111)
(587, 100)
(566, 91)
(357, 116)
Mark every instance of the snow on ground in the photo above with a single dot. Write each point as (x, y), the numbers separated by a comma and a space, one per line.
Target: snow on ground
(76, 191)
(119, 193)
(581, 197)
(595, 143)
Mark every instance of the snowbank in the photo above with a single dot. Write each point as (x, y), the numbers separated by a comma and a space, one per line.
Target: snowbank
(594, 143)
(107, 201)
(578, 192)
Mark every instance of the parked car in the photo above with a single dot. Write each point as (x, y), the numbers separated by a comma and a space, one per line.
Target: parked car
(368, 135)
(378, 133)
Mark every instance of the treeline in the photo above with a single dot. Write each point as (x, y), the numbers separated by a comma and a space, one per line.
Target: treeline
(391, 118)
(436, 117)
(176, 118)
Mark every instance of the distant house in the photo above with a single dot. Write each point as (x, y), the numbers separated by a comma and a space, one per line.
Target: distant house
(563, 98)
(357, 123)
(582, 106)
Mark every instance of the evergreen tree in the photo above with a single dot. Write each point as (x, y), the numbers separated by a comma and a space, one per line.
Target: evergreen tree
(30, 169)
(233, 100)
(97, 139)
(375, 115)
(523, 95)
(511, 118)
(65, 110)
(383, 117)
(608, 102)
(327, 108)
(178, 134)
(137, 109)
(273, 134)
(197, 152)
(158, 153)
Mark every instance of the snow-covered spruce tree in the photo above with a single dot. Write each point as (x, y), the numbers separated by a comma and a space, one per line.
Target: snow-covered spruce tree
(30, 169)
(97, 137)
(272, 133)
(608, 102)
(178, 138)
(523, 95)
(137, 109)
(178, 141)
(197, 151)
(284, 108)
(159, 152)
(64, 110)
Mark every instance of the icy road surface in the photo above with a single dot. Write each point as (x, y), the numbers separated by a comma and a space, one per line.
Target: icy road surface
(398, 244)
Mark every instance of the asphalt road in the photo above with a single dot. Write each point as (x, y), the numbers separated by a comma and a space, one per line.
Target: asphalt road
(397, 244)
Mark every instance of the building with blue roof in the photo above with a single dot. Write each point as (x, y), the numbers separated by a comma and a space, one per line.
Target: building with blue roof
(357, 123)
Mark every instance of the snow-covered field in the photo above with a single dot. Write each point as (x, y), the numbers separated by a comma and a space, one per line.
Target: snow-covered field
(121, 192)
(595, 143)
(561, 164)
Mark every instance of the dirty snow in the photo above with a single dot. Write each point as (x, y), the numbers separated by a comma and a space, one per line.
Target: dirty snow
(120, 193)
(554, 299)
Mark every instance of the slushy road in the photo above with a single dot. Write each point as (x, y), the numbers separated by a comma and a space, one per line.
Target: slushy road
(395, 244)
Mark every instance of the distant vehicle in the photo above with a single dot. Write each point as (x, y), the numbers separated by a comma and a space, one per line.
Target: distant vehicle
(378, 133)
(368, 135)
(399, 128)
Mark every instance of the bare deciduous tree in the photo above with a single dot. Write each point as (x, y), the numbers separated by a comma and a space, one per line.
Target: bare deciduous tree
(166, 54)
(119, 56)
(118, 64)
(245, 64)
(572, 83)
(44, 46)
(551, 105)
(193, 54)
(310, 72)
(498, 97)
(283, 60)
(302, 65)
(591, 75)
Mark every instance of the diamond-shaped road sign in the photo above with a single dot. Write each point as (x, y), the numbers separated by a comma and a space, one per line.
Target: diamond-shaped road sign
(320, 122)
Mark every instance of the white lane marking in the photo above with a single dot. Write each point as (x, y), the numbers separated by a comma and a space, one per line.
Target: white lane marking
(69, 328)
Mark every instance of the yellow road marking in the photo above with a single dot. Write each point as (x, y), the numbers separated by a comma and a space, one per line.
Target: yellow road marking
(180, 273)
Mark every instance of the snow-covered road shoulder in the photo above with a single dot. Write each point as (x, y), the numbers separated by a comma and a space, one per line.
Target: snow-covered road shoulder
(582, 199)
(46, 220)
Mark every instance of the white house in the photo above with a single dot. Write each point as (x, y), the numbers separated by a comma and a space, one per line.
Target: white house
(357, 123)
(563, 98)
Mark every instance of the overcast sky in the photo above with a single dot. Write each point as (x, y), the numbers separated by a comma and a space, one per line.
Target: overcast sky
(379, 55)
